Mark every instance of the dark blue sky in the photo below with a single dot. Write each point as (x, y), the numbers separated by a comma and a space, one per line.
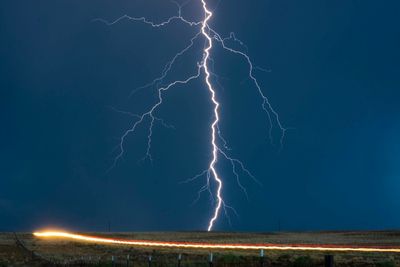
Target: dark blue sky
(335, 78)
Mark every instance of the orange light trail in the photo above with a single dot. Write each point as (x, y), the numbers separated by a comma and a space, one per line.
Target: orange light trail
(229, 246)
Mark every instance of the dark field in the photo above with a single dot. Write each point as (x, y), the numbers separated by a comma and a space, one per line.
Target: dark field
(25, 250)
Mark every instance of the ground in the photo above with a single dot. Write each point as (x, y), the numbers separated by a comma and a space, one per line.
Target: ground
(23, 249)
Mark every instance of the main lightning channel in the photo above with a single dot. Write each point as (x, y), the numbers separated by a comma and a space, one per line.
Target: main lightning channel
(208, 15)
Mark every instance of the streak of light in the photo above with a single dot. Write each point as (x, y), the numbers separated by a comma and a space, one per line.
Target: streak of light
(228, 246)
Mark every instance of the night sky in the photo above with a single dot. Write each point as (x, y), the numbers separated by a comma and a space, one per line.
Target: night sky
(334, 79)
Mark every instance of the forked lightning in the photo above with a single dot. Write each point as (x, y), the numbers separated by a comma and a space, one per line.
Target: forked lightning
(218, 144)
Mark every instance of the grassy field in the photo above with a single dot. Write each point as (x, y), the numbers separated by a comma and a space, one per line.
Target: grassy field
(31, 251)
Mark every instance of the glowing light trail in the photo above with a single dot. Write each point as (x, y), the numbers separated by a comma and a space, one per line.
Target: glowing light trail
(198, 245)
(205, 65)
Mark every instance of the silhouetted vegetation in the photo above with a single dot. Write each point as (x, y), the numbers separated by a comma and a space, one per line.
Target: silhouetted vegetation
(303, 261)
(386, 264)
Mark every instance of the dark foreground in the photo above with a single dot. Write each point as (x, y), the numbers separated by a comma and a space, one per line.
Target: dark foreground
(23, 249)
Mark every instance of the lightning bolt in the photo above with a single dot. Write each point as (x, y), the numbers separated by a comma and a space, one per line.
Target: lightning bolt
(204, 68)
(215, 149)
